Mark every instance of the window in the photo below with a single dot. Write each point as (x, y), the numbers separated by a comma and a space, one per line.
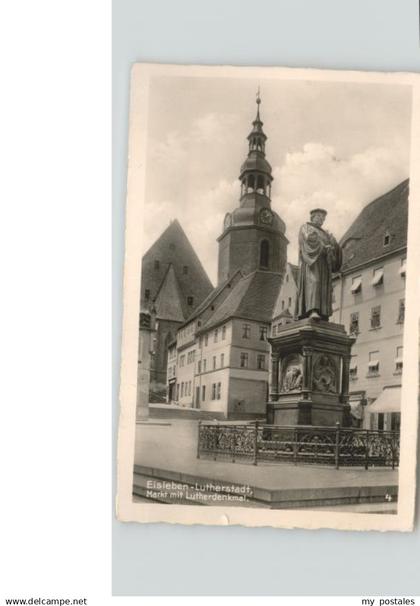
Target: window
(223, 333)
(356, 285)
(282, 304)
(206, 340)
(157, 264)
(353, 368)
(244, 360)
(147, 294)
(219, 391)
(387, 238)
(354, 323)
(185, 269)
(172, 246)
(190, 301)
(403, 266)
(375, 317)
(373, 366)
(378, 276)
(203, 393)
(395, 421)
(189, 388)
(199, 366)
(289, 302)
(214, 362)
(381, 419)
(222, 360)
(399, 360)
(213, 391)
(182, 360)
(401, 311)
(287, 277)
(246, 331)
(216, 333)
(263, 333)
(264, 254)
(182, 389)
(261, 362)
(204, 365)
(200, 343)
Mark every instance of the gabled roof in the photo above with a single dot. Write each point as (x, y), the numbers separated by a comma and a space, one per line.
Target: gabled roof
(364, 240)
(252, 298)
(168, 301)
(211, 298)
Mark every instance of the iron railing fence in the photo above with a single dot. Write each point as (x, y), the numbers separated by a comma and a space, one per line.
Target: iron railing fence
(337, 446)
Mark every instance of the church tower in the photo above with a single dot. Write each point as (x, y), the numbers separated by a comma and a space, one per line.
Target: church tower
(253, 235)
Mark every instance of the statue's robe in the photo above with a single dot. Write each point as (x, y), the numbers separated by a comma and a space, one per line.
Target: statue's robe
(316, 266)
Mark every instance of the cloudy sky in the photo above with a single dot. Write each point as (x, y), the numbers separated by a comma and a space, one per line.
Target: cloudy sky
(335, 145)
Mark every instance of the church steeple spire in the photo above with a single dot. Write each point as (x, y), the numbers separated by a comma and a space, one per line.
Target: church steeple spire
(255, 174)
(253, 237)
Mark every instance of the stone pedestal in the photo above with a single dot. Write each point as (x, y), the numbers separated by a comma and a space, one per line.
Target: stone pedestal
(146, 331)
(310, 374)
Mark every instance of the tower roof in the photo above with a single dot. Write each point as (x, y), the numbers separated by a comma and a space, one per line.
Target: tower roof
(174, 248)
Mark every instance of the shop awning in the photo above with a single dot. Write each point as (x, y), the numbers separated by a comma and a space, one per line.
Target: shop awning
(357, 283)
(388, 401)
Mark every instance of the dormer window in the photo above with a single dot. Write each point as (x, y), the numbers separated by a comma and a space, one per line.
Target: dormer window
(157, 264)
(185, 269)
(147, 294)
(190, 301)
(387, 238)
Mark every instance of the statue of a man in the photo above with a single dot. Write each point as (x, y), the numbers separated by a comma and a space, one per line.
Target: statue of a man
(319, 256)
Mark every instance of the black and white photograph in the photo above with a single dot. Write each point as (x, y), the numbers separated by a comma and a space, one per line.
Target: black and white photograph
(272, 371)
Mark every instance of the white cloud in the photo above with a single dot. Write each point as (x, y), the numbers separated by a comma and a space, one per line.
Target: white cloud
(315, 176)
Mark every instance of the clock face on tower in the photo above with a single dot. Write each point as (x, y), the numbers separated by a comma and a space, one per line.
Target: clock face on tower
(266, 216)
(228, 220)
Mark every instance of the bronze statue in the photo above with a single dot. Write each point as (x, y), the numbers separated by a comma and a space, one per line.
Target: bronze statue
(319, 256)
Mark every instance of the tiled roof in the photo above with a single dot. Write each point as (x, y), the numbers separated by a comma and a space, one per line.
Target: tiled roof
(173, 247)
(252, 298)
(168, 301)
(364, 240)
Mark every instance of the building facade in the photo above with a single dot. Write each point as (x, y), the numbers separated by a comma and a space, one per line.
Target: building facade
(369, 299)
(220, 360)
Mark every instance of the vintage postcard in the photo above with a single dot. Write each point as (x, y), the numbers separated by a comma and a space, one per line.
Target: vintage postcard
(270, 344)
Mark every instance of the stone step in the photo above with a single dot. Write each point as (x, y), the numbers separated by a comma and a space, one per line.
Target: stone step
(147, 487)
(263, 496)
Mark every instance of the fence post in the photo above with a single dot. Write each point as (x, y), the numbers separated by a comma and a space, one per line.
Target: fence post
(367, 450)
(337, 444)
(295, 446)
(233, 443)
(393, 449)
(198, 441)
(256, 443)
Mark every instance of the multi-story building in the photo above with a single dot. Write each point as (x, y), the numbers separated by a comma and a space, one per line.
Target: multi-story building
(220, 359)
(173, 284)
(368, 299)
